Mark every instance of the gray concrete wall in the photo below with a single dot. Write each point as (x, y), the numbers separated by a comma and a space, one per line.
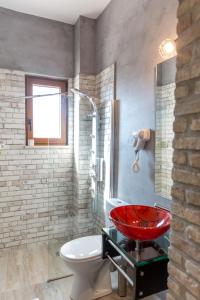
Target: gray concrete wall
(77, 49)
(35, 45)
(129, 33)
(87, 45)
(84, 46)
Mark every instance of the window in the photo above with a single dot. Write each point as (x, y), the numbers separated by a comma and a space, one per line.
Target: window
(46, 117)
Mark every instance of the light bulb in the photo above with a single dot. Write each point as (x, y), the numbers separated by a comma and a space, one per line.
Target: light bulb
(167, 48)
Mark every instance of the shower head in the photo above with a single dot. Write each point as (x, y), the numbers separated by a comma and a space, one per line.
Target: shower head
(83, 94)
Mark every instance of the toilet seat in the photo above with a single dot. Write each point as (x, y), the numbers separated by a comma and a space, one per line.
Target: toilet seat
(83, 249)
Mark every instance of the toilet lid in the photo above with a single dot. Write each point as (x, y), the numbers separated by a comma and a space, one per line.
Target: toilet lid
(82, 249)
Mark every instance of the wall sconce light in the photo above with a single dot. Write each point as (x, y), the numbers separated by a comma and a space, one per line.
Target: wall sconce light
(167, 48)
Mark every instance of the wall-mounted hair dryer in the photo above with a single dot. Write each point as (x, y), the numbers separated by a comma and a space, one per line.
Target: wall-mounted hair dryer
(140, 139)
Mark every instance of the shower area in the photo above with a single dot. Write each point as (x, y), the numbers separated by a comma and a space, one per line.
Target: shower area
(51, 194)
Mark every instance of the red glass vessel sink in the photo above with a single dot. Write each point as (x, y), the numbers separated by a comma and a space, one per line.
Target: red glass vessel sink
(139, 222)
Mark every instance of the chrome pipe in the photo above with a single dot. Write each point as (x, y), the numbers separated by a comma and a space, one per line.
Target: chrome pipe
(83, 94)
(121, 271)
(122, 283)
(137, 250)
(33, 96)
(121, 253)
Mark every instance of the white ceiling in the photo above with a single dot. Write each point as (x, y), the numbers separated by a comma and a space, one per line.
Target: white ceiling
(66, 11)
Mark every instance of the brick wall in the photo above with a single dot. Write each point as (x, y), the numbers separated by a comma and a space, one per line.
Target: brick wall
(36, 184)
(105, 92)
(184, 265)
(101, 87)
(44, 191)
(83, 221)
(165, 102)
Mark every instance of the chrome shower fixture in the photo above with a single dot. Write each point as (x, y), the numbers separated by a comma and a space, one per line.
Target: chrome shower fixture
(84, 95)
(81, 93)
(93, 175)
(34, 96)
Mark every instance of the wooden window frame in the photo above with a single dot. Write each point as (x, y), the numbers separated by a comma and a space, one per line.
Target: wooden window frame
(63, 85)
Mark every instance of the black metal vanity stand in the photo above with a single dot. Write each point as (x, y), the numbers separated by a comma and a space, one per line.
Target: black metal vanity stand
(142, 264)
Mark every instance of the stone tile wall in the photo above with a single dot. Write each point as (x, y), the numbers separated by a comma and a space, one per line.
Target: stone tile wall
(165, 101)
(44, 191)
(82, 205)
(105, 92)
(101, 87)
(184, 265)
(36, 184)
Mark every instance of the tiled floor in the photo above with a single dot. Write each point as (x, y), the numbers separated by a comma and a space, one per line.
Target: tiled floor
(24, 271)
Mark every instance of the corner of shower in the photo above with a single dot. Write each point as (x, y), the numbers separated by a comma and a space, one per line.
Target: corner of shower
(104, 158)
(92, 172)
(45, 208)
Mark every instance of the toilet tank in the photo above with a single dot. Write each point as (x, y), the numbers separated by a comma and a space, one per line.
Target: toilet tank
(110, 204)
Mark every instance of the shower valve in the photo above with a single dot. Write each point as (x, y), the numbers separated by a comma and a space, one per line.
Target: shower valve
(92, 191)
(93, 166)
(92, 175)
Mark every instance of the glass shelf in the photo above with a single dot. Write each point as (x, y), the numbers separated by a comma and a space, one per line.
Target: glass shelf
(140, 253)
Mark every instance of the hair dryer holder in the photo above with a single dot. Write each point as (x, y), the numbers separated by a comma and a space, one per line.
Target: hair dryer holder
(140, 139)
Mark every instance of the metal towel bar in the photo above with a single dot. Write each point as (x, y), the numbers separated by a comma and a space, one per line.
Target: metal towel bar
(121, 270)
(121, 253)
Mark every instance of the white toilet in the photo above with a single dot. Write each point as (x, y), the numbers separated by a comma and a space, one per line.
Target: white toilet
(84, 257)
